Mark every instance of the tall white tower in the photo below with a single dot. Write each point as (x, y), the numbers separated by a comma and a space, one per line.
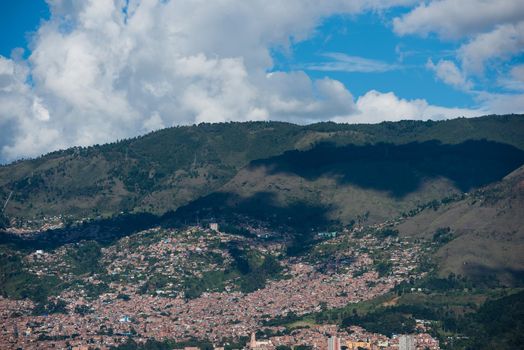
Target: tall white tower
(406, 342)
(334, 343)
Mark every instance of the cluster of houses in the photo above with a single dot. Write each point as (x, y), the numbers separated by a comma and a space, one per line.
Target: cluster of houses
(307, 287)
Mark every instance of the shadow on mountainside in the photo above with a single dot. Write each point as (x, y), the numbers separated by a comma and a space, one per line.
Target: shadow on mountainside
(262, 206)
(494, 277)
(299, 216)
(104, 231)
(397, 169)
(400, 169)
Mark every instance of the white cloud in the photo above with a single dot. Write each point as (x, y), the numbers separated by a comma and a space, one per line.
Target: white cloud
(502, 103)
(294, 97)
(24, 128)
(514, 80)
(492, 33)
(494, 29)
(456, 19)
(102, 70)
(154, 122)
(374, 107)
(517, 73)
(450, 74)
(504, 42)
(346, 63)
(39, 111)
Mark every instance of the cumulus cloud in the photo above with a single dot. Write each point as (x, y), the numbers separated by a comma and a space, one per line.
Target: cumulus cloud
(502, 103)
(374, 107)
(501, 44)
(292, 96)
(453, 19)
(450, 74)
(491, 32)
(102, 70)
(514, 81)
(494, 30)
(24, 128)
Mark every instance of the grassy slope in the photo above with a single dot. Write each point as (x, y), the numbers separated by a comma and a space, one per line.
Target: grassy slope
(169, 168)
(349, 182)
(344, 201)
(156, 172)
(487, 229)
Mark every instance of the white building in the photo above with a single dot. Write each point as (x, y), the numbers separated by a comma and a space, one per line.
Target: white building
(255, 344)
(406, 342)
(334, 343)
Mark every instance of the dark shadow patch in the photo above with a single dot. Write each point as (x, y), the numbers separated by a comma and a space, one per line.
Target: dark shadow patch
(401, 169)
(297, 220)
(494, 277)
(104, 231)
(262, 206)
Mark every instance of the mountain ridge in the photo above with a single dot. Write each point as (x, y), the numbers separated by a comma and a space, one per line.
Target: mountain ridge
(170, 168)
(457, 182)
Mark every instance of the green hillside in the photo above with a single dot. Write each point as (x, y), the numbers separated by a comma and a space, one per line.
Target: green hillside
(352, 183)
(483, 233)
(170, 168)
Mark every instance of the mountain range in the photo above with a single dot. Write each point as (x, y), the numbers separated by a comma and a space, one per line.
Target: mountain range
(460, 182)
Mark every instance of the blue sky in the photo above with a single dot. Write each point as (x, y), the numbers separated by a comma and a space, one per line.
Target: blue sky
(369, 36)
(97, 71)
(18, 20)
